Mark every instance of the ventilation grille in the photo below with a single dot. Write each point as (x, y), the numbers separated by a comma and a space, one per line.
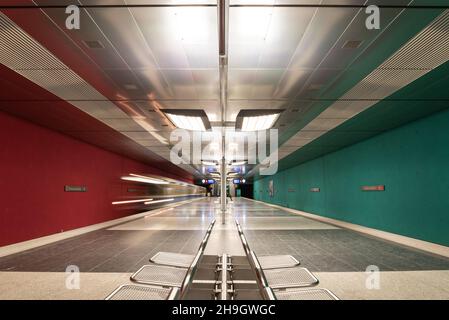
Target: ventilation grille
(427, 50)
(13, 41)
(352, 44)
(21, 53)
(93, 44)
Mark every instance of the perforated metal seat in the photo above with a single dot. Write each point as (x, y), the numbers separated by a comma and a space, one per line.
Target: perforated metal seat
(278, 261)
(154, 274)
(173, 259)
(305, 294)
(290, 278)
(136, 292)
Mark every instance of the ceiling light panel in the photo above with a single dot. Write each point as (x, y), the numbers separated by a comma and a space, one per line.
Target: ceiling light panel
(194, 119)
(256, 120)
(209, 163)
(186, 122)
(238, 163)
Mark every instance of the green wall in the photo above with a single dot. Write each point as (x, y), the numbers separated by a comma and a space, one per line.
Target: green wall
(412, 162)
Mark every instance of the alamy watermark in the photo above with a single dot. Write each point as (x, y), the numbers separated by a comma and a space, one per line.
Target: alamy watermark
(372, 281)
(73, 19)
(72, 279)
(372, 22)
(261, 147)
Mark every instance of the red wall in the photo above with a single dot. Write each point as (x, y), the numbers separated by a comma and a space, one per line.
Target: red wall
(36, 164)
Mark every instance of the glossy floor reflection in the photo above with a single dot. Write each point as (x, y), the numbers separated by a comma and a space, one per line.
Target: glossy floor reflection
(338, 257)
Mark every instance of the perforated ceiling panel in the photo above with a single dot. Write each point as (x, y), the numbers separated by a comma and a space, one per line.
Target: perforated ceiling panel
(24, 55)
(423, 53)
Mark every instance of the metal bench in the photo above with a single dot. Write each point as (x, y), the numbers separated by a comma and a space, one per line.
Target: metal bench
(137, 292)
(290, 278)
(173, 259)
(304, 294)
(161, 282)
(165, 276)
(277, 261)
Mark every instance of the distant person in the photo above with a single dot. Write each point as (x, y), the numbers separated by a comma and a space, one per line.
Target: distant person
(228, 192)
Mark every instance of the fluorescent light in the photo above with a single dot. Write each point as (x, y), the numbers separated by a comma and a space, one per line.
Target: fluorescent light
(238, 163)
(157, 201)
(258, 123)
(131, 201)
(187, 122)
(209, 163)
(144, 179)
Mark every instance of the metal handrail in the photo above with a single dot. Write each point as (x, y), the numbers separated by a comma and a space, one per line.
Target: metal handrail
(206, 236)
(262, 282)
(268, 294)
(186, 283)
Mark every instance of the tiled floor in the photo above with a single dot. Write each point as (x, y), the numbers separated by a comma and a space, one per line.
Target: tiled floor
(339, 257)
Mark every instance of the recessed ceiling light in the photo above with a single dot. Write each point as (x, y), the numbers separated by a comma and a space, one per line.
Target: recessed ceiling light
(238, 163)
(93, 44)
(256, 120)
(194, 119)
(209, 163)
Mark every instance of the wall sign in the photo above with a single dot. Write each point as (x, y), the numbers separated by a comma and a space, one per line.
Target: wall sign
(373, 188)
(314, 189)
(291, 190)
(75, 188)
